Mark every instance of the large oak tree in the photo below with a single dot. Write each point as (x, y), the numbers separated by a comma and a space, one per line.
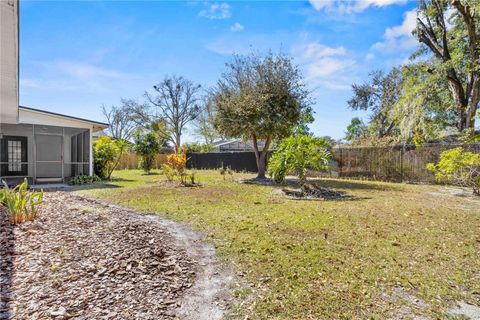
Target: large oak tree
(450, 31)
(260, 98)
(379, 96)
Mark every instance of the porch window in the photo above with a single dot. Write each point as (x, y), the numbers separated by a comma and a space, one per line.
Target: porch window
(14, 156)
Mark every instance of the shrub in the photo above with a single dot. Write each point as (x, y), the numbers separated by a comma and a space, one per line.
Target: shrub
(198, 147)
(458, 167)
(147, 146)
(84, 179)
(168, 171)
(178, 162)
(106, 155)
(20, 202)
(296, 154)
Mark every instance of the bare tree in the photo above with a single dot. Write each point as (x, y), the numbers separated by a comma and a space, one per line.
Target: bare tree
(121, 121)
(204, 123)
(174, 102)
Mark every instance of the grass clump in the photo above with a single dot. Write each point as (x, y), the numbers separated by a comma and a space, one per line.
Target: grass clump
(20, 202)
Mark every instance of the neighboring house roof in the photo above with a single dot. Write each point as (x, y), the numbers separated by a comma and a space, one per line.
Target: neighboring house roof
(236, 145)
(223, 142)
(100, 133)
(98, 125)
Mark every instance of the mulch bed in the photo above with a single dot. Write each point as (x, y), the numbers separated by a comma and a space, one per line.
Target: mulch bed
(85, 260)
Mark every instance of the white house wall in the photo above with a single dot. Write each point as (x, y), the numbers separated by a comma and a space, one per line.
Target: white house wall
(33, 117)
(8, 61)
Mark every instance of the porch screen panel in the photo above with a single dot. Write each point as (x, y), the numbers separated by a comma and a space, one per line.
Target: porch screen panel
(80, 143)
(49, 156)
(86, 152)
(80, 153)
(73, 155)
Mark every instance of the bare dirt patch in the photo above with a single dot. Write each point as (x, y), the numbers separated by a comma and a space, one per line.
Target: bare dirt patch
(84, 259)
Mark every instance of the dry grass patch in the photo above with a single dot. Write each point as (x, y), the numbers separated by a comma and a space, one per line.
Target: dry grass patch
(329, 259)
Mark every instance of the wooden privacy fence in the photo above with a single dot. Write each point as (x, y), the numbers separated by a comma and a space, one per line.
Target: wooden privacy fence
(238, 160)
(399, 163)
(131, 160)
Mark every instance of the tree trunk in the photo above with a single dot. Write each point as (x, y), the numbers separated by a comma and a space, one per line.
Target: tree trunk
(177, 143)
(261, 156)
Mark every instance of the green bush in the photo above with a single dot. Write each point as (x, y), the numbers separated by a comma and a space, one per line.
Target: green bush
(84, 179)
(106, 155)
(297, 154)
(147, 146)
(198, 147)
(458, 167)
(20, 202)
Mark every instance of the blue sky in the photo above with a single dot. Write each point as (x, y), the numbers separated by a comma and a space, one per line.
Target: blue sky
(76, 56)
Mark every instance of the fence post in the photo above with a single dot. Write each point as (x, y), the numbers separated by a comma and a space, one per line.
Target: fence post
(401, 163)
(340, 166)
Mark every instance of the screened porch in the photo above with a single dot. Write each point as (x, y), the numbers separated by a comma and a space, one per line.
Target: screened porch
(44, 153)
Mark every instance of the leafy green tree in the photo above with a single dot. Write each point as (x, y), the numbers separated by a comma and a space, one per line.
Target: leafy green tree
(260, 98)
(296, 154)
(147, 146)
(198, 147)
(355, 130)
(106, 154)
(379, 96)
(450, 33)
(458, 167)
(426, 107)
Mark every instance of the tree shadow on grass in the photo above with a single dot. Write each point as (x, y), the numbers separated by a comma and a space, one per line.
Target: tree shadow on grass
(150, 174)
(354, 185)
(96, 185)
(115, 179)
(7, 240)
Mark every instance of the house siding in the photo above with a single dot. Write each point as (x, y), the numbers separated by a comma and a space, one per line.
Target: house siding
(8, 61)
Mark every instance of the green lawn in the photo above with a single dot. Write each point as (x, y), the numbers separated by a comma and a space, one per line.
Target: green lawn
(327, 259)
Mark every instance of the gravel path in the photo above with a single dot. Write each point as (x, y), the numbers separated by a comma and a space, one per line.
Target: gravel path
(85, 259)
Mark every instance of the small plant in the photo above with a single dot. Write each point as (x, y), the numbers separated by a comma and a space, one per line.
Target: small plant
(297, 154)
(20, 202)
(188, 179)
(192, 177)
(458, 167)
(222, 171)
(230, 173)
(178, 162)
(168, 171)
(84, 179)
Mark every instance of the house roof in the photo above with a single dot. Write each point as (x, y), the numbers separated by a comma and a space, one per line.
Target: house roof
(97, 123)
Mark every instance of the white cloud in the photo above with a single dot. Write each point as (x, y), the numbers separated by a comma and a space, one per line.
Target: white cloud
(348, 6)
(370, 56)
(216, 11)
(400, 37)
(237, 27)
(325, 66)
(81, 70)
(68, 75)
